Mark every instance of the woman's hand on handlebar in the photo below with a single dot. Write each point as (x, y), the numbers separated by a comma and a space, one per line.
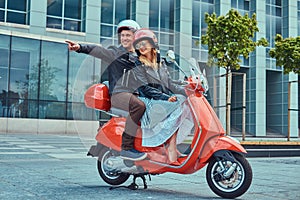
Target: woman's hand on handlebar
(172, 99)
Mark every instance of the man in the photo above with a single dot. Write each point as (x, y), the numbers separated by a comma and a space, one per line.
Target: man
(121, 60)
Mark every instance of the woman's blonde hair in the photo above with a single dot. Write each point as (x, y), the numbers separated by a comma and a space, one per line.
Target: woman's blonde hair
(151, 63)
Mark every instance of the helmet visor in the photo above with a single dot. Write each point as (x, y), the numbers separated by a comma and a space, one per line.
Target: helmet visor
(142, 43)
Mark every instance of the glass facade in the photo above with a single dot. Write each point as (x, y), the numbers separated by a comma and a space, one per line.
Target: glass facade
(14, 11)
(37, 78)
(66, 14)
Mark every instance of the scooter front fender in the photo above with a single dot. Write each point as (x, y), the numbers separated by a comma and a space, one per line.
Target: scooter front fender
(226, 143)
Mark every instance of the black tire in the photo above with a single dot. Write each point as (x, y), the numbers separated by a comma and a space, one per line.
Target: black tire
(237, 184)
(112, 179)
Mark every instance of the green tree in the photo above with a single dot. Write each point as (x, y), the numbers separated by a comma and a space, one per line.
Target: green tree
(287, 53)
(229, 37)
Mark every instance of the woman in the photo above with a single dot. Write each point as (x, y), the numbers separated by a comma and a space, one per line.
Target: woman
(163, 114)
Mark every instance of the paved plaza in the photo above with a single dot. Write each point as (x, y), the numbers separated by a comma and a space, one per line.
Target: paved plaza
(56, 167)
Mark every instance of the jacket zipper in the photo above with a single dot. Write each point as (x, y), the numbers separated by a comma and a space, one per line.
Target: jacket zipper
(123, 77)
(127, 80)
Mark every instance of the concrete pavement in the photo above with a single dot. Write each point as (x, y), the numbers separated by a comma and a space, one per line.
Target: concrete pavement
(56, 167)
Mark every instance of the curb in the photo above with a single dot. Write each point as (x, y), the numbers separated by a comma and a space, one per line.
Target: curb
(288, 143)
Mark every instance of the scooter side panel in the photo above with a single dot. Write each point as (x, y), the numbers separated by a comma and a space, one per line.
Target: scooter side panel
(110, 134)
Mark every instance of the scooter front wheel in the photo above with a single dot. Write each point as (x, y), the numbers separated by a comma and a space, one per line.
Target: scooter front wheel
(229, 179)
(112, 178)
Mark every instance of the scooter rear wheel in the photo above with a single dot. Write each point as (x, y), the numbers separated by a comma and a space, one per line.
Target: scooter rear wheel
(108, 177)
(233, 185)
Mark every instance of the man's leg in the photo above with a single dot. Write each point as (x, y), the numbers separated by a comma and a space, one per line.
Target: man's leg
(136, 109)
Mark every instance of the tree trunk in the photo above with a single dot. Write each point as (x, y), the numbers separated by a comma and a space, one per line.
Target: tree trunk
(228, 99)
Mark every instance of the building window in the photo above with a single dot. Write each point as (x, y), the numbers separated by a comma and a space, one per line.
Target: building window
(14, 11)
(162, 22)
(298, 17)
(243, 6)
(273, 27)
(200, 52)
(66, 14)
(112, 12)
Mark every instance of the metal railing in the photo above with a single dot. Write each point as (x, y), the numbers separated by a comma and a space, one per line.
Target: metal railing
(228, 102)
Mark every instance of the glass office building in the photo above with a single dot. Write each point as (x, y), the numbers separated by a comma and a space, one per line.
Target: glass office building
(42, 83)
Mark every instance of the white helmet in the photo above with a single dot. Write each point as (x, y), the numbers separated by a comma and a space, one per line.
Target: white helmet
(128, 24)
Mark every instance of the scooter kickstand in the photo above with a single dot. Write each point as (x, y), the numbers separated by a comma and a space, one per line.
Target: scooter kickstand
(133, 185)
(144, 181)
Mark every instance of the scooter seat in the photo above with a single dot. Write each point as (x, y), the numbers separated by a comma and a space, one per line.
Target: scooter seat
(119, 112)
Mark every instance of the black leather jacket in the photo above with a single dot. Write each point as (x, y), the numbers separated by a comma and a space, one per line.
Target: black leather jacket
(120, 62)
(156, 84)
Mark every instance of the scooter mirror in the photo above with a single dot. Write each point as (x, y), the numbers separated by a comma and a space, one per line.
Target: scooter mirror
(170, 55)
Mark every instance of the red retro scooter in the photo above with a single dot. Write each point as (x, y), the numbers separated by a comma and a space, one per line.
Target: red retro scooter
(228, 173)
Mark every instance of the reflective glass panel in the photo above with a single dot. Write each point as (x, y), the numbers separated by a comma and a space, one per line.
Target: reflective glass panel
(53, 81)
(278, 2)
(106, 11)
(196, 19)
(2, 3)
(17, 5)
(53, 71)
(122, 10)
(278, 12)
(206, 8)
(154, 13)
(84, 71)
(73, 9)
(78, 63)
(52, 110)
(1, 16)
(167, 14)
(106, 31)
(72, 25)
(54, 23)
(24, 73)
(13, 17)
(234, 3)
(54, 7)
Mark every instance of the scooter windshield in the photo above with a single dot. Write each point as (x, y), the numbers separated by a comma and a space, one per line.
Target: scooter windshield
(182, 69)
(207, 126)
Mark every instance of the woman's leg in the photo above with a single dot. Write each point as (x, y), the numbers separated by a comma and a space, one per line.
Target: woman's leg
(172, 148)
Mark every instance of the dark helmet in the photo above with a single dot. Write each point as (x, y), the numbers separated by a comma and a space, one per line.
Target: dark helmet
(147, 34)
(128, 24)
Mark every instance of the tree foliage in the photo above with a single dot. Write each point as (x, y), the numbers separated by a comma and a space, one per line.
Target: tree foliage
(229, 37)
(287, 53)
